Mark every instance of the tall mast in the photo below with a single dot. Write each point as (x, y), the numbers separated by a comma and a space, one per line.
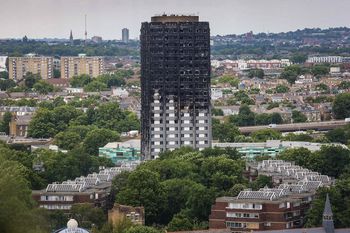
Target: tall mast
(85, 30)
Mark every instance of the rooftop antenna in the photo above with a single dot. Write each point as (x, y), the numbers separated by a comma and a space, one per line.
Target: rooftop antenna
(85, 30)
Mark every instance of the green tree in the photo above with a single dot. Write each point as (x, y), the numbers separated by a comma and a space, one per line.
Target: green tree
(30, 79)
(282, 89)
(340, 135)
(261, 182)
(180, 222)
(5, 123)
(323, 88)
(330, 160)
(110, 116)
(233, 81)
(341, 106)
(6, 84)
(265, 134)
(263, 119)
(80, 81)
(16, 204)
(142, 229)
(298, 58)
(217, 112)
(290, 73)
(319, 70)
(272, 105)
(95, 86)
(47, 123)
(301, 156)
(144, 189)
(4, 75)
(224, 132)
(67, 140)
(344, 85)
(236, 189)
(298, 117)
(259, 73)
(245, 117)
(111, 80)
(98, 138)
(276, 118)
(87, 215)
(43, 87)
(340, 202)
(177, 192)
(298, 137)
(41, 125)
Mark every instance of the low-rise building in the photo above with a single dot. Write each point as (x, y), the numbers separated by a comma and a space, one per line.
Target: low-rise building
(19, 125)
(229, 110)
(119, 152)
(216, 93)
(271, 147)
(278, 208)
(59, 82)
(135, 214)
(95, 189)
(120, 92)
(17, 110)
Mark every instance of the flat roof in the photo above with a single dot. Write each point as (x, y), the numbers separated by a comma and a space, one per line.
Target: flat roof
(174, 18)
(289, 198)
(132, 143)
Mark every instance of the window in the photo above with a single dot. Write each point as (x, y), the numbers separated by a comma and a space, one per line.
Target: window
(236, 224)
(296, 213)
(296, 204)
(267, 224)
(245, 206)
(242, 215)
(288, 204)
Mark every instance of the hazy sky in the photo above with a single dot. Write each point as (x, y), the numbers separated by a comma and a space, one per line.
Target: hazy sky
(106, 18)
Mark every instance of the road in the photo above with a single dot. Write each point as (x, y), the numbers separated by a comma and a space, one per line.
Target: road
(319, 126)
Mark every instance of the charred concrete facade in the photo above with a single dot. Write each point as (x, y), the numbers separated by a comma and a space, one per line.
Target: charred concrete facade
(175, 83)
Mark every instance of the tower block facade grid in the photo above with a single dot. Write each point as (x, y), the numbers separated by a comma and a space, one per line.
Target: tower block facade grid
(175, 83)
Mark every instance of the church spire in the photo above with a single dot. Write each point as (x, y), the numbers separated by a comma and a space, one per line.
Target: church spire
(71, 37)
(327, 222)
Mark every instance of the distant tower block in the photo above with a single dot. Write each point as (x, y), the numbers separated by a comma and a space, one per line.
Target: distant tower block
(125, 35)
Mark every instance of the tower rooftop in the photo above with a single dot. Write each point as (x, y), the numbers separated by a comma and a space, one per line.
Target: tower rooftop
(175, 18)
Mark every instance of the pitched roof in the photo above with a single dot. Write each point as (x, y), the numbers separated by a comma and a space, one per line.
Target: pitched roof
(327, 207)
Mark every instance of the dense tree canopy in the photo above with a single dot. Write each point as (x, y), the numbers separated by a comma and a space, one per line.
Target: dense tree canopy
(179, 188)
(246, 117)
(256, 73)
(298, 117)
(290, 73)
(16, 207)
(341, 106)
(330, 160)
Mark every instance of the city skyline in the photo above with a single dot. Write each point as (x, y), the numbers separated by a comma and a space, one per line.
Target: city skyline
(108, 19)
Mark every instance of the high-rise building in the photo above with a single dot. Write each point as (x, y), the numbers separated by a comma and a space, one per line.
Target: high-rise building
(3, 63)
(175, 84)
(74, 66)
(125, 35)
(19, 66)
(96, 39)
